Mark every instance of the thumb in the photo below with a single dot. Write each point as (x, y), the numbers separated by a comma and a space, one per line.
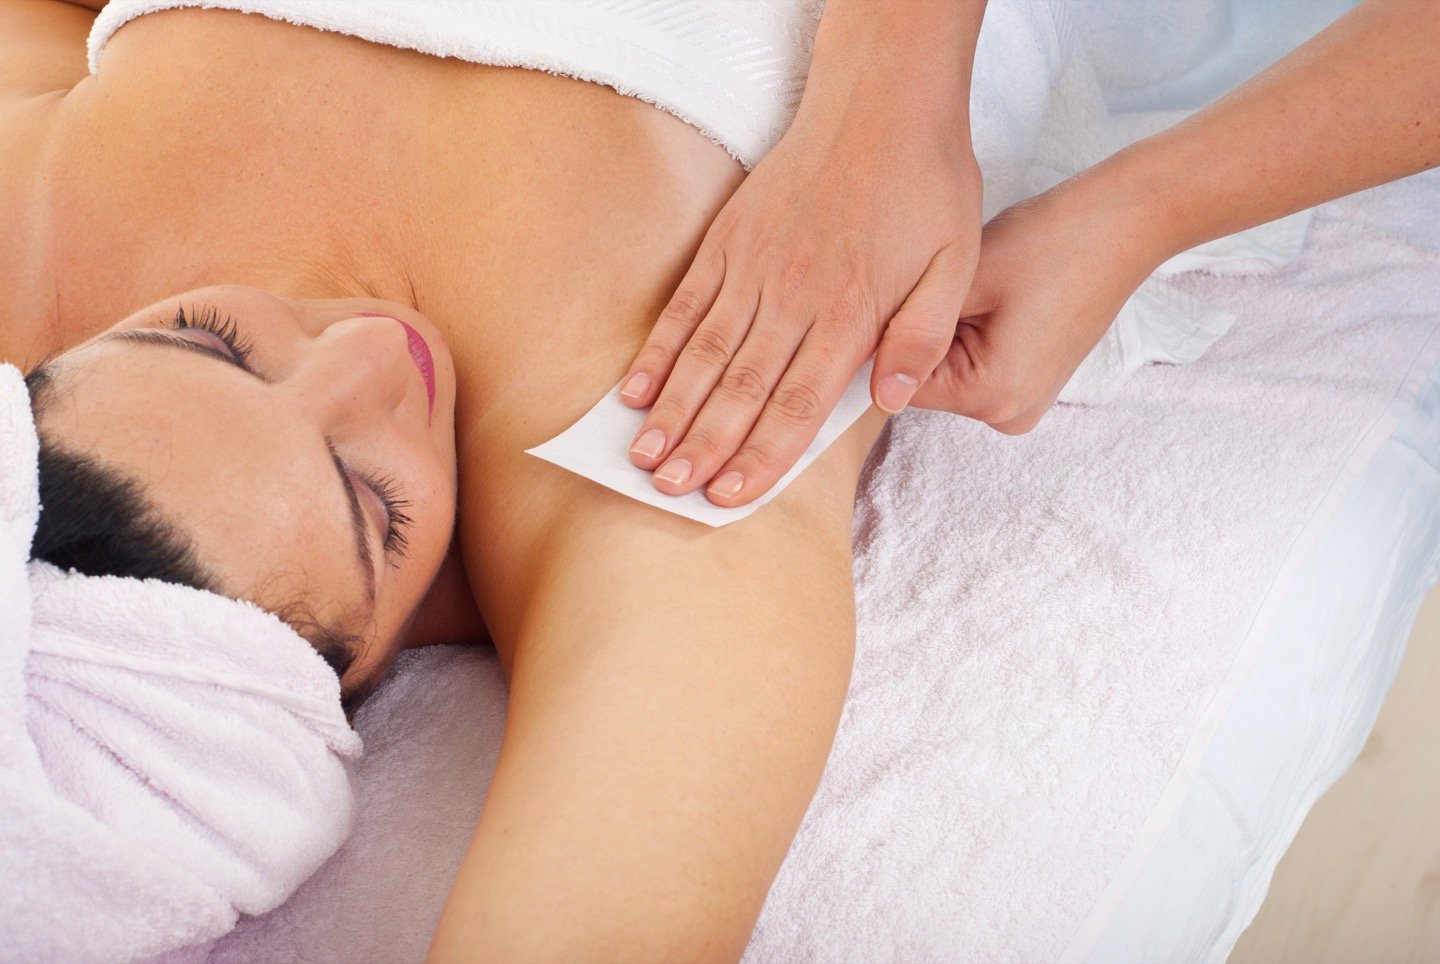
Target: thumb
(919, 335)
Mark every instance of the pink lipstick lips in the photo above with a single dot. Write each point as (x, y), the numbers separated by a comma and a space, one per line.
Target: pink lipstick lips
(419, 353)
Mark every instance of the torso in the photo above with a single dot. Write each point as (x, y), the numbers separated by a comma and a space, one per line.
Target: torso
(540, 221)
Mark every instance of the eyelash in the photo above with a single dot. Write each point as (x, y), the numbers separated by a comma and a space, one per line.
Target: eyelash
(396, 535)
(208, 318)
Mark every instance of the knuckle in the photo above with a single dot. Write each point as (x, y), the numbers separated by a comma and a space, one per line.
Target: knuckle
(703, 444)
(686, 307)
(759, 458)
(744, 384)
(763, 246)
(709, 347)
(796, 273)
(1005, 408)
(913, 342)
(654, 355)
(796, 402)
(668, 411)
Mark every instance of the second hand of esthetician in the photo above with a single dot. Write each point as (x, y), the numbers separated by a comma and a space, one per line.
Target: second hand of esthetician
(857, 235)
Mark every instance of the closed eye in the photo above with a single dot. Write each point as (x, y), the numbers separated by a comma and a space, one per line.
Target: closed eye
(155, 336)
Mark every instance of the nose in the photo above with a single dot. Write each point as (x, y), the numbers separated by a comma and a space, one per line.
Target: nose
(358, 368)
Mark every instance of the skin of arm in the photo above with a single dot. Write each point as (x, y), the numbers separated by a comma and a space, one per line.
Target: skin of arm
(867, 54)
(674, 697)
(855, 236)
(1356, 106)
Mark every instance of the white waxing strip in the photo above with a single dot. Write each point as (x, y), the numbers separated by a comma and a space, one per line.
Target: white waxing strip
(598, 447)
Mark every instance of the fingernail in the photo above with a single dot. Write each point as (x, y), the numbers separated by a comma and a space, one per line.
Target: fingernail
(728, 484)
(650, 444)
(676, 471)
(895, 391)
(635, 386)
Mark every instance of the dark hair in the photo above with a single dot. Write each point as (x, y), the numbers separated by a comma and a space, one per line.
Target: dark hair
(97, 521)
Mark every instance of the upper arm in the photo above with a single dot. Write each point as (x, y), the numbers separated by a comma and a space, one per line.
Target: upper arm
(674, 696)
(42, 47)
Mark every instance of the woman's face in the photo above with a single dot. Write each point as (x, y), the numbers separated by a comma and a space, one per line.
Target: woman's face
(306, 448)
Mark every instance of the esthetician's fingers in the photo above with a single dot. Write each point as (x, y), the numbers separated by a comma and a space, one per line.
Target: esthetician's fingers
(737, 401)
(917, 338)
(702, 361)
(687, 308)
(807, 394)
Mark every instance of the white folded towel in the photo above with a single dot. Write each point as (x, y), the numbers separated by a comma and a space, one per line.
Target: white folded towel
(169, 758)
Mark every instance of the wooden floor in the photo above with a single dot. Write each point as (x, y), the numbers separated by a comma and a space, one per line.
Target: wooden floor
(1361, 883)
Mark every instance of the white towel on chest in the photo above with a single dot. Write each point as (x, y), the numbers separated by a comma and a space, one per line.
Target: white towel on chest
(169, 758)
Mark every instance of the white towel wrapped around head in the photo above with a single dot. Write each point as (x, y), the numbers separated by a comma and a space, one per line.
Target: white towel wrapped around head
(169, 758)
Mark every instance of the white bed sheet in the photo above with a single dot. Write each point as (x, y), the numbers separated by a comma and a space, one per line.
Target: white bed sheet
(1303, 715)
(1319, 678)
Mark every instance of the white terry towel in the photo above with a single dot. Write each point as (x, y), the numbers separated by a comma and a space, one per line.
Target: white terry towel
(169, 758)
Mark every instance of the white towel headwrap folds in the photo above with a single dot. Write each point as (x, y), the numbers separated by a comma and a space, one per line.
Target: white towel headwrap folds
(169, 758)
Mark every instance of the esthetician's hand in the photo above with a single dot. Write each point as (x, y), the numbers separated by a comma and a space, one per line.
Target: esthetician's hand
(859, 229)
(828, 249)
(1054, 272)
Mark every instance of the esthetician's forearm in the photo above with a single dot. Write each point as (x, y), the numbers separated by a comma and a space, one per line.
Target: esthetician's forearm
(895, 63)
(1356, 106)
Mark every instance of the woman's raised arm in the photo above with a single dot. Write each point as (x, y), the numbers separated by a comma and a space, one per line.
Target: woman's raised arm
(675, 690)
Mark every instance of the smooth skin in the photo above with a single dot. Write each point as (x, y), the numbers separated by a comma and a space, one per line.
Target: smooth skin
(675, 688)
(1356, 106)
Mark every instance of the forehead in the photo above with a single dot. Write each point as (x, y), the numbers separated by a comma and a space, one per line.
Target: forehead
(245, 477)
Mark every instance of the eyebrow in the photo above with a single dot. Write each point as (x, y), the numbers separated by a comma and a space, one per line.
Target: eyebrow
(363, 556)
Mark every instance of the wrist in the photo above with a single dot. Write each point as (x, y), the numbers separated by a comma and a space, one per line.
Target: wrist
(1162, 187)
(903, 65)
(1145, 221)
(1103, 204)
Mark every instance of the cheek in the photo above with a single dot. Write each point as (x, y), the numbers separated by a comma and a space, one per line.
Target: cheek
(433, 492)
(439, 521)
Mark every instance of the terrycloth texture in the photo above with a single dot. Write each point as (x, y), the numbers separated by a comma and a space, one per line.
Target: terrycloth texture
(169, 758)
(1046, 623)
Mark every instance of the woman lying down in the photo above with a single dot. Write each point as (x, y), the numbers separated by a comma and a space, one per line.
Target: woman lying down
(422, 263)
(355, 283)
